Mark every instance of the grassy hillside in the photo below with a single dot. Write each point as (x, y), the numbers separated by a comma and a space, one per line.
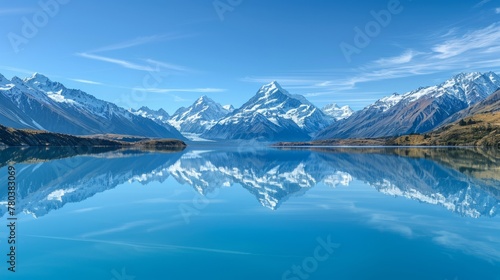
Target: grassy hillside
(481, 129)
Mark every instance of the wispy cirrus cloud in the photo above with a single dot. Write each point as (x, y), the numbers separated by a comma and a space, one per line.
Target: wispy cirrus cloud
(88, 209)
(405, 57)
(136, 42)
(120, 62)
(497, 10)
(480, 248)
(451, 51)
(150, 65)
(145, 245)
(16, 11)
(83, 81)
(119, 228)
(473, 40)
(169, 66)
(147, 65)
(481, 3)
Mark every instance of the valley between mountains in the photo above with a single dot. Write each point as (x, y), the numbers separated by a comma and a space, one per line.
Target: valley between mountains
(463, 110)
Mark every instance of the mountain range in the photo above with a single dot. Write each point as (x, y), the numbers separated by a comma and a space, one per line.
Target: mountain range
(39, 103)
(438, 176)
(418, 111)
(477, 125)
(337, 112)
(199, 117)
(272, 114)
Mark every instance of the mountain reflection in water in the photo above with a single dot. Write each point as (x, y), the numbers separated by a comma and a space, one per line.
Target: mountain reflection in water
(465, 181)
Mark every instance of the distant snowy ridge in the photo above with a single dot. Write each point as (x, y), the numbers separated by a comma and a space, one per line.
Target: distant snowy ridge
(338, 113)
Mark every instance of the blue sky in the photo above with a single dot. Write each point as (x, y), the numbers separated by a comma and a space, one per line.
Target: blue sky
(168, 53)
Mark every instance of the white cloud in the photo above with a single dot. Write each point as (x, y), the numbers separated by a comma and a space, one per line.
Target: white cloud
(86, 81)
(120, 228)
(151, 65)
(481, 248)
(497, 10)
(480, 4)
(405, 57)
(123, 63)
(16, 11)
(132, 43)
(455, 51)
(473, 40)
(169, 66)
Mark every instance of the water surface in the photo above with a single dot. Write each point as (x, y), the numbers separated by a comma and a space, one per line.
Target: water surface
(232, 213)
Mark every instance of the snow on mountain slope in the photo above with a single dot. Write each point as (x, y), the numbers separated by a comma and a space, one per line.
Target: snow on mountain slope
(271, 114)
(160, 116)
(39, 103)
(418, 111)
(228, 108)
(336, 112)
(467, 87)
(199, 117)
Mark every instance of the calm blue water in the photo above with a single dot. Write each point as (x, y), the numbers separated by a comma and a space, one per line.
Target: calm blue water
(254, 214)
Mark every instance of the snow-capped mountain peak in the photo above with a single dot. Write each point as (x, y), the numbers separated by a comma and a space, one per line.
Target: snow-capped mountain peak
(467, 87)
(43, 83)
(199, 117)
(40, 103)
(271, 88)
(338, 113)
(202, 100)
(5, 84)
(493, 77)
(228, 108)
(387, 102)
(159, 116)
(418, 111)
(271, 114)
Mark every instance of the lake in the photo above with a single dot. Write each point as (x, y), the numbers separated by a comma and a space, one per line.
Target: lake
(239, 213)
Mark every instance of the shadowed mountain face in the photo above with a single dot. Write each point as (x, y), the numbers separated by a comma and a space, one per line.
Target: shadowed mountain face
(464, 181)
(489, 105)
